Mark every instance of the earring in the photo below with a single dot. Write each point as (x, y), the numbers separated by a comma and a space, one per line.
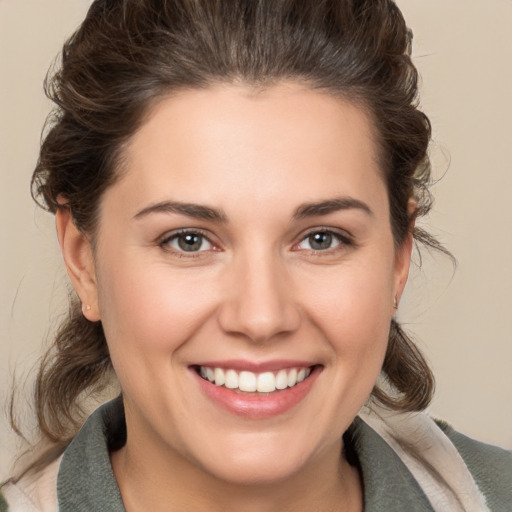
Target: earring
(87, 308)
(395, 302)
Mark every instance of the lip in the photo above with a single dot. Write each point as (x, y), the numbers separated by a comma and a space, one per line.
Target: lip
(261, 405)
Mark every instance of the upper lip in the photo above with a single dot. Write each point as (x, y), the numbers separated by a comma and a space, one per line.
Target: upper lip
(256, 367)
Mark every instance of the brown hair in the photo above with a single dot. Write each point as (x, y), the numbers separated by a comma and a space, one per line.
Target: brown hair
(129, 53)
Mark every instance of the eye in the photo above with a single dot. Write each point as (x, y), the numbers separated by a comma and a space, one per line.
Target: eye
(323, 240)
(187, 241)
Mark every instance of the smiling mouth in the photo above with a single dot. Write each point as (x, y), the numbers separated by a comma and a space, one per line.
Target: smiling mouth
(250, 382)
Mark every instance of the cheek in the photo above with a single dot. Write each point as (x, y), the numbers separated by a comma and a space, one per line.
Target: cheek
(149, 309)
(353, 311)
(355, 299)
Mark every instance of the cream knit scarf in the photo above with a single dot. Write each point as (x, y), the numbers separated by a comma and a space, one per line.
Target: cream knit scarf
(430, 456)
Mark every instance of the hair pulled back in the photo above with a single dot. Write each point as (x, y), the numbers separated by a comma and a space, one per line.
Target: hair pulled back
(128, 54)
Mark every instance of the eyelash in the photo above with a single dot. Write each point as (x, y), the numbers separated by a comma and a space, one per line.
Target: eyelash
(344, 241)
(168, 238)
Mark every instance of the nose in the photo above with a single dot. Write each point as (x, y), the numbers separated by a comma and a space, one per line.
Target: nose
(259, 302)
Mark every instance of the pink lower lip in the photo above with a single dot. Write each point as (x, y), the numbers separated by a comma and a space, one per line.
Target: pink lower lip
(256, 406)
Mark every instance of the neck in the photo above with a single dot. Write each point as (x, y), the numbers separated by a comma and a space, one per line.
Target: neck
(172, 483)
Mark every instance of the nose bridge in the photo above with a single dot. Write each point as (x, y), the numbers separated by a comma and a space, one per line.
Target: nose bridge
(259, 304)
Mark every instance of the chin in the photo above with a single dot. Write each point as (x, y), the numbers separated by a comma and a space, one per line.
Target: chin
(260, 459)
(255, 471)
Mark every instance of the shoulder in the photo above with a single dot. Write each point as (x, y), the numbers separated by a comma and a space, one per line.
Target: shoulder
(490, 466)
(32, 493)
(3, 503)
(454, 471)
(82, 478)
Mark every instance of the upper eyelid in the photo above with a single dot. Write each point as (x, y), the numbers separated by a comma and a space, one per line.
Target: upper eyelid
(168, 235)
(343, 233)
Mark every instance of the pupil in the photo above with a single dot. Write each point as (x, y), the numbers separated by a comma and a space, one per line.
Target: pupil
(320, 241)
(190, 242)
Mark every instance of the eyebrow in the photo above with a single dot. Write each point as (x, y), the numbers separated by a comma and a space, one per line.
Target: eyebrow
(329, 206)
(196, 211)
(305, 210)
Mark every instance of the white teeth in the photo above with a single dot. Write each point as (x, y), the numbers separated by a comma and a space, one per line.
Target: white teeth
(219, 376)
(292, 377)
(231, 380)
(281, 379)
(247, 381)
(266, 382)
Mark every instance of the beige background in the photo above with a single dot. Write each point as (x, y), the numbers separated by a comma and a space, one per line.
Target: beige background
(463, 320)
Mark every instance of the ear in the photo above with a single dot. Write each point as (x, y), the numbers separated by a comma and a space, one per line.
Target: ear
(403, 255)
(78, 257)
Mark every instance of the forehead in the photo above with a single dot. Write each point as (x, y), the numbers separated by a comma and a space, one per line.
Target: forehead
(204, 145)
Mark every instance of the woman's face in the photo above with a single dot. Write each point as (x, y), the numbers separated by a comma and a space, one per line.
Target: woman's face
(248, 241)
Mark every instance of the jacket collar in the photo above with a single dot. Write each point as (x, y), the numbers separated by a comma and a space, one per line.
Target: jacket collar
(388, 484)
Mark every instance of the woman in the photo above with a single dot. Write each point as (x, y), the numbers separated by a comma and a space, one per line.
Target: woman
(235, 187)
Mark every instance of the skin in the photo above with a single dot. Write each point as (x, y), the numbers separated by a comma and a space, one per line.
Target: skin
(256, 291)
